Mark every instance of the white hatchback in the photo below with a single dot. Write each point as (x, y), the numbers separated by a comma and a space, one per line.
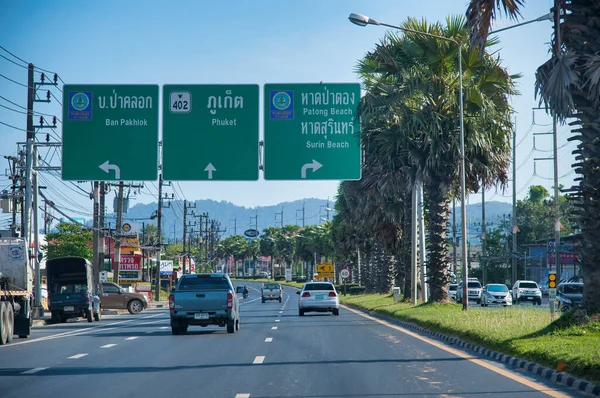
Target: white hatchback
(318, 297)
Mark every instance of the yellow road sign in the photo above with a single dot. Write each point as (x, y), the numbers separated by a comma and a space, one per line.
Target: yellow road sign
(325, 267)
(322, 275)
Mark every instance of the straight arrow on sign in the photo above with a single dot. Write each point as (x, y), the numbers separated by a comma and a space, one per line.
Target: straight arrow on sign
(210, 168)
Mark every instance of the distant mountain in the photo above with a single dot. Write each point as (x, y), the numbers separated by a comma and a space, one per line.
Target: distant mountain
(236, 219)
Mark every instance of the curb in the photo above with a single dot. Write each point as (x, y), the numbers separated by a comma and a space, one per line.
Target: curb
(516, 363)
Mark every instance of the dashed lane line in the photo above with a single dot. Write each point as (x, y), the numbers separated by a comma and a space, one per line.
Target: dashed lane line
(107, 345)
(131, 338)
(242, 395)
(277, 320)
(32, 371)
(274, 328)
(268, 339)
(77, 356)
(259, 360)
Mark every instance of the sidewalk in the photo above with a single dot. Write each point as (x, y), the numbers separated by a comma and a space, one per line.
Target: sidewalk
(158, 304)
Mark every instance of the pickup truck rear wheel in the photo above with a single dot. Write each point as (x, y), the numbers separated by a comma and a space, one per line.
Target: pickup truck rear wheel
(89, 315)
(98, 315)
(135, 307)
(175, 330)
(231, 326)
(280, 299)
(263, 300)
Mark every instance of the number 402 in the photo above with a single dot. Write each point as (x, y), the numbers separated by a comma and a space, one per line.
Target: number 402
(180, 105)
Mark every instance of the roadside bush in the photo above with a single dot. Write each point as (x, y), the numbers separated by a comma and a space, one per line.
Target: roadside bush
(354, 290)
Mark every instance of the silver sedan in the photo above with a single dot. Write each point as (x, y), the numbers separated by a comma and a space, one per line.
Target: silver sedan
(495, 294)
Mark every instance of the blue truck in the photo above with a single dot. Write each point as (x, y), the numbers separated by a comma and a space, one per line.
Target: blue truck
(202, 300)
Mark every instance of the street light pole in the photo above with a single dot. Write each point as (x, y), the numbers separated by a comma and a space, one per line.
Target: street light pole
(362, 20)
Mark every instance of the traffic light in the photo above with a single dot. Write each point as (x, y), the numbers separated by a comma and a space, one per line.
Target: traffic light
(552, 280)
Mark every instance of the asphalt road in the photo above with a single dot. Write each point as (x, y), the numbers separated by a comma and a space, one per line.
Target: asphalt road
(276, 353)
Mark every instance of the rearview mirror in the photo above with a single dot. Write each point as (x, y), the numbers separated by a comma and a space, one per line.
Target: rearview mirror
(298, 292)
(239, 289)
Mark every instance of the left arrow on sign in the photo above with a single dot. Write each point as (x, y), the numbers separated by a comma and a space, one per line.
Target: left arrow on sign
(106, 166)
(210, 168)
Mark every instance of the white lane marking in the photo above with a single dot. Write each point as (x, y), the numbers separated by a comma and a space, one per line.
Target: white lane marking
(274, 328)
(108, 345)
(281, 312)
(67, 334)
(131, 338)
(244, 395)
(32, 371)
(529, 383)
(268, 339)
(150, 331)
(164, 327)
(152, 316)
(77, 356)
(259, 360)
(277, 320)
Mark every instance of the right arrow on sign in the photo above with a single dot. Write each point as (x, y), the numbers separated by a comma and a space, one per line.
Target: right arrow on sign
(314, 166)
(210, 168)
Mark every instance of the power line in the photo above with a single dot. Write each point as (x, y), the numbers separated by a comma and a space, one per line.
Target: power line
(20, 59)
(57, 100)
(22, 107)
(14, 110)
(11, 126)
(10, 60)
(14, 81)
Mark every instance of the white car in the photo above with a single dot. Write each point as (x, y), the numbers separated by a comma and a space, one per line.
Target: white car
(318, 297)
(523, 291)
(495, 293)
(452, 291)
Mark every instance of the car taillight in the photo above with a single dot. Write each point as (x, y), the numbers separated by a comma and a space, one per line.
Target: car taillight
(306, 294)
(87, 299)
(171, 302)
(229, 300)
(332, 294)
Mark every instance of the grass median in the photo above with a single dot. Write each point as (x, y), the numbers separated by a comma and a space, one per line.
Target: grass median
(521, 331)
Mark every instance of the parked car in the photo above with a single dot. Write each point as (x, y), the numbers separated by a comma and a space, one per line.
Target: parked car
(474, 291)
(544, 288)
(264, 274)
(495, 293)
(569, 295)
(526, 291)
(319, 297)
(452, 290)
(113, 297)
(271, 291)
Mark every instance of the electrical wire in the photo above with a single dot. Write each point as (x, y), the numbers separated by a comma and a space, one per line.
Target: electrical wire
(14, 81)
(20, 59)
(526, 134)
(57, 100)
(22, 107)
(10, 60)
(14, 110)
(11, 126)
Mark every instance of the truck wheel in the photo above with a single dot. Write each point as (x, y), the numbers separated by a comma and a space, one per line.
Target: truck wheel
(3, 323)
(280, 299)
(301, 312)
(175, 330)
(10, 318)
(89, 315)
(135, 307)
(237, 324)
(336, 311)
(55, 318)
(231, 326)
(263, 300)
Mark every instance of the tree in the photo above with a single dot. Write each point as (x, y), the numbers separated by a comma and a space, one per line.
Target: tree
(70, 240)
(568, 84)
(413, 83)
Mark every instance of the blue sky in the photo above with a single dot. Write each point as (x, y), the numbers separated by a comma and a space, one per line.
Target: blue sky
(200, 42)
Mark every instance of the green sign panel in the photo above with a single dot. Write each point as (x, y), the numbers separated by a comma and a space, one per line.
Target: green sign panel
(210, 132)
(311, 131)
(110, 132)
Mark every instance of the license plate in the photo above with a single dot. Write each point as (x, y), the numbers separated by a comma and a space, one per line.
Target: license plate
(69, 309)
(319, 297)
(529, 298)
(201, 315)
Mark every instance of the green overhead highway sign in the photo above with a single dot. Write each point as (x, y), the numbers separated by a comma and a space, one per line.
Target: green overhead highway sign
(210, 132)
(110, 132)
(311, 131)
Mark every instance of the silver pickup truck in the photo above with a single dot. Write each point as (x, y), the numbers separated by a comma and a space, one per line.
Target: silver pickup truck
(204, 299)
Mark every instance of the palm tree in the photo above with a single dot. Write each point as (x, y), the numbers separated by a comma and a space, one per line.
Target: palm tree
(569, 86)
(416, 89)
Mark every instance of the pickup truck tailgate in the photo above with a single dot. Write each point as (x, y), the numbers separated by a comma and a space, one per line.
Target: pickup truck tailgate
(205, 300)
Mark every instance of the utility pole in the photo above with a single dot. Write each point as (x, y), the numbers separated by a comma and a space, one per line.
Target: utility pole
(514, 208)
(424, 293)
(158, 228)
(101, 234)
(118, 235)
(483, 235)
(302, 210)
(557, 51)
(280, 215)
(29, 153)
(38, 308)
(234, 226)
(184, 235)
(95, 230)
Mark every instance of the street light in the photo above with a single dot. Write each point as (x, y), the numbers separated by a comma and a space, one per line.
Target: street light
(363, 20)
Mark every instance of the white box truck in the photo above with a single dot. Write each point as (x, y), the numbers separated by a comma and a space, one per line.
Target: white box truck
(16, 282)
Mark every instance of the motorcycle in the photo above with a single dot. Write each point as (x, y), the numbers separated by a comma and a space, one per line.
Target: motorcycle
(245, 295)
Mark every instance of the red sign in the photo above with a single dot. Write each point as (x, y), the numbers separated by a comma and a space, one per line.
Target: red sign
(130, 263)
